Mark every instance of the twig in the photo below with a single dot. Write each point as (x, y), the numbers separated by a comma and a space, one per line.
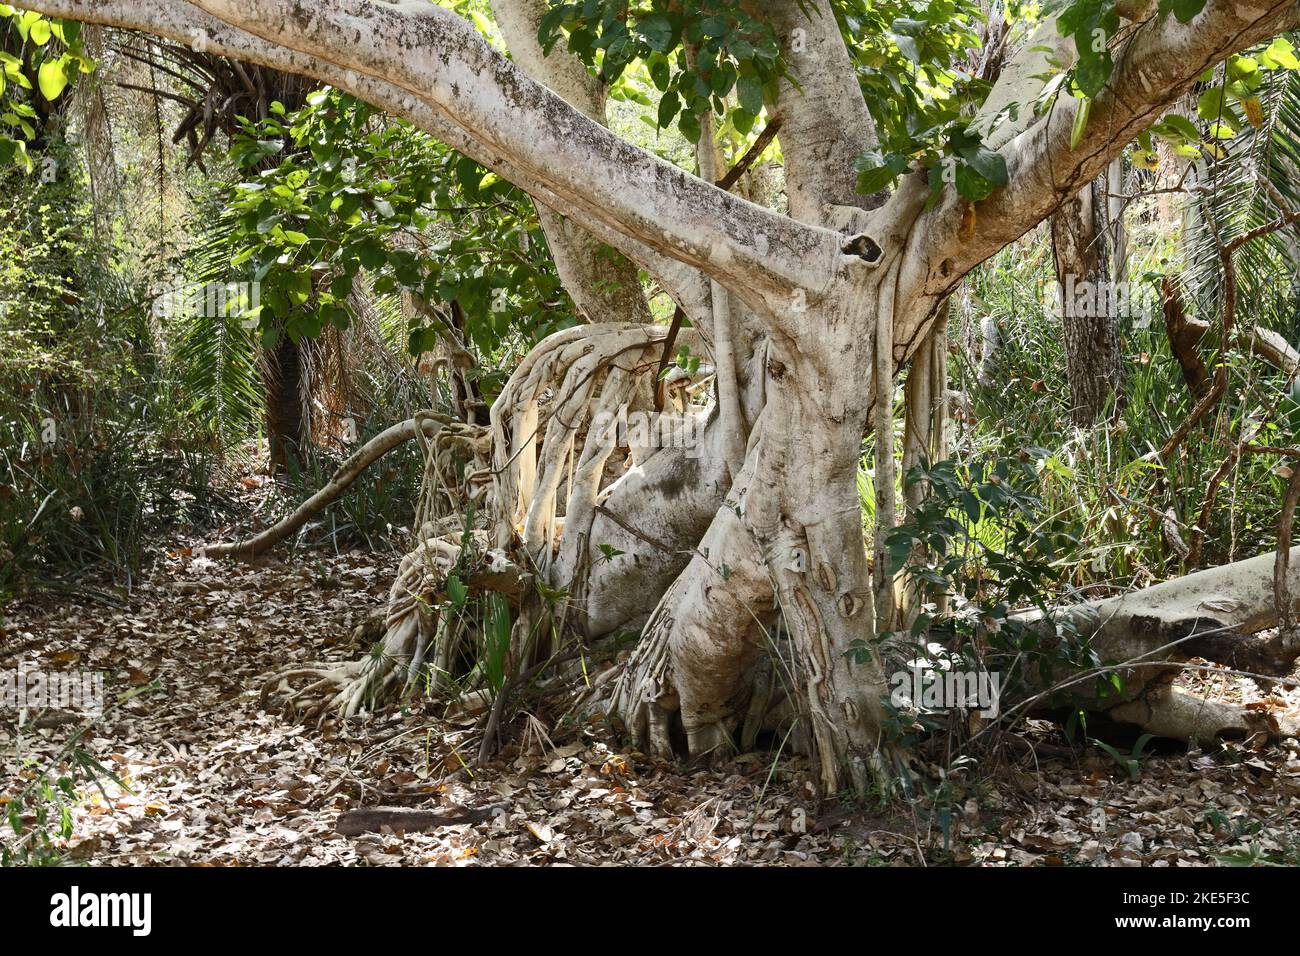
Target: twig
(1226, 253)
(760, 144)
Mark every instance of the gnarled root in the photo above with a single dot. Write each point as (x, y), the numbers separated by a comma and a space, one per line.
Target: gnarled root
(643, 698)
(424, 425)
(554, 394)
(413, 636)
(699, 644)
(345, 689)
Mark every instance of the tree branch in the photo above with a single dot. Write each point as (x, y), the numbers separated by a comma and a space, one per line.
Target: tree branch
(824, 117)
(348, 472)
(1157, 64)
(437, 57)
(423, 64)
(178, 21)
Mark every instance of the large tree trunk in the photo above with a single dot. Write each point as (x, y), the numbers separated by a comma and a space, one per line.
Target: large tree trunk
(602, 281)
(811, 295)
(1089, 304)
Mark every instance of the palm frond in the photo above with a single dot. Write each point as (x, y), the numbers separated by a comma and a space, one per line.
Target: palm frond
(215, 358)
(1236, 202)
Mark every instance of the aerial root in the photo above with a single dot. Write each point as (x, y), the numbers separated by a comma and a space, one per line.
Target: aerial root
(552, 398)
(341, 689)
(414, 633)
(423, 425)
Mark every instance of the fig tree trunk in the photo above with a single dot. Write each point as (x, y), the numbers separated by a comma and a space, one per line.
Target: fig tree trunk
(749, 544)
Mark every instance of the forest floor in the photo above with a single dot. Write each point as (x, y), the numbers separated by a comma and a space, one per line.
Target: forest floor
(210, 779)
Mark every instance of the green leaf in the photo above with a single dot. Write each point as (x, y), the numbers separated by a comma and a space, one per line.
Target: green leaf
(689, 124)
(669, 106)
(52, 79)
(457, 591)
(909, 27)
(876, 172)
(1183, 10)
(372, 254)
(971, 185)
(989, 164)
(749, 89)
(1092, 73)
(657, 31)
(1282, 54)
(1210, 105)
(874, 178)
(1177, 129)
(1080, 122)
(907, 46)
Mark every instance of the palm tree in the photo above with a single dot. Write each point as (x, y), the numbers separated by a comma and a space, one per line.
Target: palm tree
(214, 93)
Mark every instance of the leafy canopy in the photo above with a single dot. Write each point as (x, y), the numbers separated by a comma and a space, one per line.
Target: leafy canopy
(337, 189)
(39, 56)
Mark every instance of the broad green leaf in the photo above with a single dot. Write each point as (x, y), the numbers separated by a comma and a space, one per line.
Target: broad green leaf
(657, 31)
(749, 89)
(52, 78)
(990, 165)
(40, 32)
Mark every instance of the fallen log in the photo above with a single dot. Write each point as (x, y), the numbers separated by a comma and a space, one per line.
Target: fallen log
(409, 820)
(1213, 614)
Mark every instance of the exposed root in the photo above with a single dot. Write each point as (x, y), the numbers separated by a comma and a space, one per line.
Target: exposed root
(424, 424)
(1168, 711)
(345, 689)
(417, 636)
(552, 395)
(539, 475)
(642, 696)
(506, 473)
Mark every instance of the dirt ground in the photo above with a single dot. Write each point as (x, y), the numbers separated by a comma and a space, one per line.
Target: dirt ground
(209, 779)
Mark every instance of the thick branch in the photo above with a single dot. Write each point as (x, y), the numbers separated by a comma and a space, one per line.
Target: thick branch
(1154, 67)
(178, 21)
(605, 287)
(824, 118)
(347, 473)
(436, 57)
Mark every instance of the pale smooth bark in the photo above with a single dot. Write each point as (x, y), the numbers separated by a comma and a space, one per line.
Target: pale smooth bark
(824, 120)
(1156, 65)
(1210, 614)
(390, 438)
